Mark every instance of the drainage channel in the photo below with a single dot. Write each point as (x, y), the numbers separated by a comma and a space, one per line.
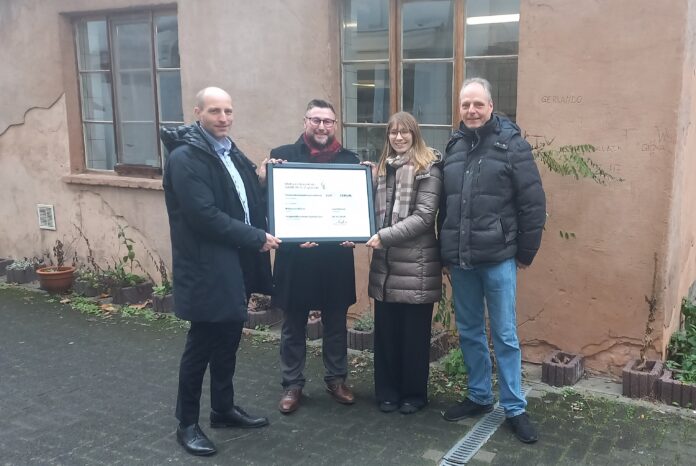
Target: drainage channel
(471, 443)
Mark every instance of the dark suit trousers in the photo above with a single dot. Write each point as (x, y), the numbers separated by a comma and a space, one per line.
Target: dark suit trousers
(293, 346)
(402, 352)
(213, 344)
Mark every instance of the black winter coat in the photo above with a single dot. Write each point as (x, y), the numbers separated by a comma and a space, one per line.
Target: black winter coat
(493, 206)
(217, 263)
(320, 278)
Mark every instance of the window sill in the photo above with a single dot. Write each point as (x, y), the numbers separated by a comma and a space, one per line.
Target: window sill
(98, 179)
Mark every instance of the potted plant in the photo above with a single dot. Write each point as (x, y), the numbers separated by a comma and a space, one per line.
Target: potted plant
(362, 335)
(21, 271)
(89, 282)
(677, 385)
(57, 278)
(125, 286)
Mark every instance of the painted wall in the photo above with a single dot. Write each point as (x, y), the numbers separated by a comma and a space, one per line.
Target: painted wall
(585, 76)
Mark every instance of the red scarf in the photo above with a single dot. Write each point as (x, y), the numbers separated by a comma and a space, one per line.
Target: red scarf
(322, 154)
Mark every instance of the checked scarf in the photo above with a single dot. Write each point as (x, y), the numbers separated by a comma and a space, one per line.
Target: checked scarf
(405, 177)
(322, 154)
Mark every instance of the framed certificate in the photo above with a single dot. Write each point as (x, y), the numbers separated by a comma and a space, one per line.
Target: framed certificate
(320, 202)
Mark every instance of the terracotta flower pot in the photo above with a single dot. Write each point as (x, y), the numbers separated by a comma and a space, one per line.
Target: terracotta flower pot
(56, 279)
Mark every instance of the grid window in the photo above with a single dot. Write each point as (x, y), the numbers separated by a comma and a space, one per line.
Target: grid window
(412, 55)
(130, 86)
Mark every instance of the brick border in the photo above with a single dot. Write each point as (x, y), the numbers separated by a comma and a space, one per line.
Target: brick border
(676, 392)
(361, 340)
(560, 374)
(641, 384)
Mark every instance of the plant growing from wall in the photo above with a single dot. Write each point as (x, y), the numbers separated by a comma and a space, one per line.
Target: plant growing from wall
(652, 310)
(122, 273)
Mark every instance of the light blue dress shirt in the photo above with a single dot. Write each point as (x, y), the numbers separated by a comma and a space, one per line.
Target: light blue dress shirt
(222, 148)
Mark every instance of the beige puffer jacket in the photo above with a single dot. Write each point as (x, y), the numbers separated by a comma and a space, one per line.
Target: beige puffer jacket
(408, 269)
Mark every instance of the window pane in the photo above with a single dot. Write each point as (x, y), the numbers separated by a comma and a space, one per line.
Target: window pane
(365, 29)
(167, 41)
(436, 138)
(492, 7)
(427, 28)
(428, 92)
(366, 142)
(502, 74)
(133, 43)
(492, 39)
(99, 146)
(366, 93)
(139, 144)
(170, 96)
(92, 45)
(96, 96)
(135, 96)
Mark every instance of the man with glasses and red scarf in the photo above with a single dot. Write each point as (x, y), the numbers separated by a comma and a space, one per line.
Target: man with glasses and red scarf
(313, 276)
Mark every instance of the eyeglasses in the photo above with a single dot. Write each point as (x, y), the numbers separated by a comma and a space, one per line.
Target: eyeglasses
(328, 123)
(395, 132)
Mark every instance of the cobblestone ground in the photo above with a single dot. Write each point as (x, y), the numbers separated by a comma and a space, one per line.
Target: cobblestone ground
(84, 390)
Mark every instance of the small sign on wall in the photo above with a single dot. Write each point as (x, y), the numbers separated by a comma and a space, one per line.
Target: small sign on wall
(47, 216)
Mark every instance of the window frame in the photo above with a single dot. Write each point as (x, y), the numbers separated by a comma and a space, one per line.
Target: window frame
(109, 16)
(396, 63)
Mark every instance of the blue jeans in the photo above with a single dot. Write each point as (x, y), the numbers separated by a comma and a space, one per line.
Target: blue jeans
(497, 284)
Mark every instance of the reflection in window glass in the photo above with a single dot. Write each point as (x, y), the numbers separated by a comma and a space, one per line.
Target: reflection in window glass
(96, 96)
(428, 92)
(492, 39)
(502, 74)
(427, 28)
(492, 7)
(170, 96)
(366, 93)
(436, 137)
(133, 45)
(139, 144)
(366, 30)
(93, 48)
(367, 142)
(167, 41)
(99, 145)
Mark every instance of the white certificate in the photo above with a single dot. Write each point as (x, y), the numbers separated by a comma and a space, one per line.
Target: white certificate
(320, 202)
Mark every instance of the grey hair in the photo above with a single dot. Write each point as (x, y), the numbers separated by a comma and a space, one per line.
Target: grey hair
(484, 83)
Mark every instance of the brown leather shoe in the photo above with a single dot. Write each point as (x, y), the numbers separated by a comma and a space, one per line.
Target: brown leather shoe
(290, 400)
(341, 393)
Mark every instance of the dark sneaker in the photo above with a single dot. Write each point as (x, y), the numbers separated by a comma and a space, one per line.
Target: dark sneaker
(523, 428)
(466, 408)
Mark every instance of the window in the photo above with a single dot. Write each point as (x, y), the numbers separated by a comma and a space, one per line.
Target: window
(130, 85)
(412, 55)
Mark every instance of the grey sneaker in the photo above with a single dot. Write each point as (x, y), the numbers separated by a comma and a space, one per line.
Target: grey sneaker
(464, 409)
(523, 428)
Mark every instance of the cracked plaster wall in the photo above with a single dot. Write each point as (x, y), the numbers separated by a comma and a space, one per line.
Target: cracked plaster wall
(585, 77)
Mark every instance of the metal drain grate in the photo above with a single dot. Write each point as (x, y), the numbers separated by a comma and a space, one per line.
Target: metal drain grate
(466, 448)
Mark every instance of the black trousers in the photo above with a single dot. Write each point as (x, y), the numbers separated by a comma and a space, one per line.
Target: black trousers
(213, 344)
(402, 352)
(293, 346)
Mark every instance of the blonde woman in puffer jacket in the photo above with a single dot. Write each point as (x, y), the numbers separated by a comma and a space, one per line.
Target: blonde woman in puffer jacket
(405, 271)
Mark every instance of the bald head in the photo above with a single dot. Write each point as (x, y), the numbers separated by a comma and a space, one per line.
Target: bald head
(210, 92)
(214, 111)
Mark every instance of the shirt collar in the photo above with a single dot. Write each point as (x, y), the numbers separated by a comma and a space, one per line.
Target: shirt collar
(220, 146)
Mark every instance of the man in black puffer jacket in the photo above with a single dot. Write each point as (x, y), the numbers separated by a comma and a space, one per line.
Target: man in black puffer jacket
(217, 222)
(492, 214)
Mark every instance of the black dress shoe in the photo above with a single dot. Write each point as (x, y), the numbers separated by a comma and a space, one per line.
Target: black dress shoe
(236, 417)
(388, 406)
(194, 440)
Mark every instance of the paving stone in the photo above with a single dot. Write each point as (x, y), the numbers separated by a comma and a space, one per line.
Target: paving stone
(78, 390)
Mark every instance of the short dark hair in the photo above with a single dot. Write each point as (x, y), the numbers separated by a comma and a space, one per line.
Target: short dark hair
(321, 104)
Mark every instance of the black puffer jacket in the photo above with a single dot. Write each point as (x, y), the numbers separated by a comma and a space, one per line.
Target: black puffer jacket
(217, 263)
(493, 206)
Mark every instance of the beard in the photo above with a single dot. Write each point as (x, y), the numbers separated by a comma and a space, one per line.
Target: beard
(321, 145)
